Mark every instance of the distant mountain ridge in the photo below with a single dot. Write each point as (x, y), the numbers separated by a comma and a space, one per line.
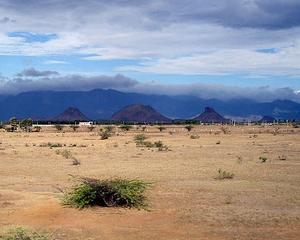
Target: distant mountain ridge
(101, 104)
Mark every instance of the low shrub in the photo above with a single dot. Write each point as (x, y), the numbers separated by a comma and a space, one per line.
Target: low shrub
(161, 128)
(195, 137)
(125, 127)
(74, 127)
(107, 193)
(51, 145)
(140, 138)
(263, 159)
(75, 161)
(224, 175)
(37, 128)
(108, 129)
(282, 157)
(65, 153)
(189, 128)
(91, 128)
(158, 144)
(23, 234)
(59, 127)
(225, 130)
(105, 135)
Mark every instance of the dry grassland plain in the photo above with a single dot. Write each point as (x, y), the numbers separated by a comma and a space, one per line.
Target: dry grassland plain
(261, 201)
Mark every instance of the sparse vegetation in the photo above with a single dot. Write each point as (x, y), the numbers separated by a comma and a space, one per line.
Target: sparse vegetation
(91, 128)
(65, 153)
(160, 146)
(263, 159)
(107, 193)
(224, 175)
(276, 130)
(125, 127)
(108, 129)
(105, 135)
(59, 127)
(239, 159)
(140, 138)
(140, 142)
(23, 234)
(37, 129)
(195, 136)
(161, 128)
(51, 145)
(74, 127)
(189, 128)
(26, 125)
(75, 161)
(282, 157)
(225, 130)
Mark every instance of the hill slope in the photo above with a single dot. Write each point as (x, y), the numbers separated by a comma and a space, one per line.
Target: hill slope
(210, 116)
(71, 114)
(139, 113)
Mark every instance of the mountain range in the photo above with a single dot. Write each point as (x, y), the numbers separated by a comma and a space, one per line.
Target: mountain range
(102, 104)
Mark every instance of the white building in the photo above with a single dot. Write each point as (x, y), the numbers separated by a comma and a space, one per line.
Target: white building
(85, 123)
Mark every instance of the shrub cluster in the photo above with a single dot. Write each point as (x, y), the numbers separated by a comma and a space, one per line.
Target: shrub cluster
(140, 142)
(107, 193)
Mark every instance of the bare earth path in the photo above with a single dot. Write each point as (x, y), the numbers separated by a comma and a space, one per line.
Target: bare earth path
(262, 201)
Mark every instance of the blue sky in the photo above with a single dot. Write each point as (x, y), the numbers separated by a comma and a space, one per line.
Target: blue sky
(246, 45)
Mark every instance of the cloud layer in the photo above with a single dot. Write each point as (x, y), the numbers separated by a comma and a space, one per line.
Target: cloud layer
(29, 81)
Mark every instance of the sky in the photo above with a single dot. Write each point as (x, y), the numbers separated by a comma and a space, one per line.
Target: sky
(212, 49)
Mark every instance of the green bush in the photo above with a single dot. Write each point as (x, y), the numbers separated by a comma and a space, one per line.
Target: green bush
(107, 193)
(22, 234)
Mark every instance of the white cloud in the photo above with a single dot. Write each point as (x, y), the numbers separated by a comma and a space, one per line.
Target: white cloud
(240, 61)
(55, 62)
(198, 37)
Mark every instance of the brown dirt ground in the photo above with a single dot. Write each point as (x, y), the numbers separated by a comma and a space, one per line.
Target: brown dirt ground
(262, 201)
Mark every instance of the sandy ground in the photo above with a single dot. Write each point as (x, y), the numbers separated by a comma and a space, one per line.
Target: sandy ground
(262, 201)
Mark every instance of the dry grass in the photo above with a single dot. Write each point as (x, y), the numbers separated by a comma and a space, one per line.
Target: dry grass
(260, 202)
